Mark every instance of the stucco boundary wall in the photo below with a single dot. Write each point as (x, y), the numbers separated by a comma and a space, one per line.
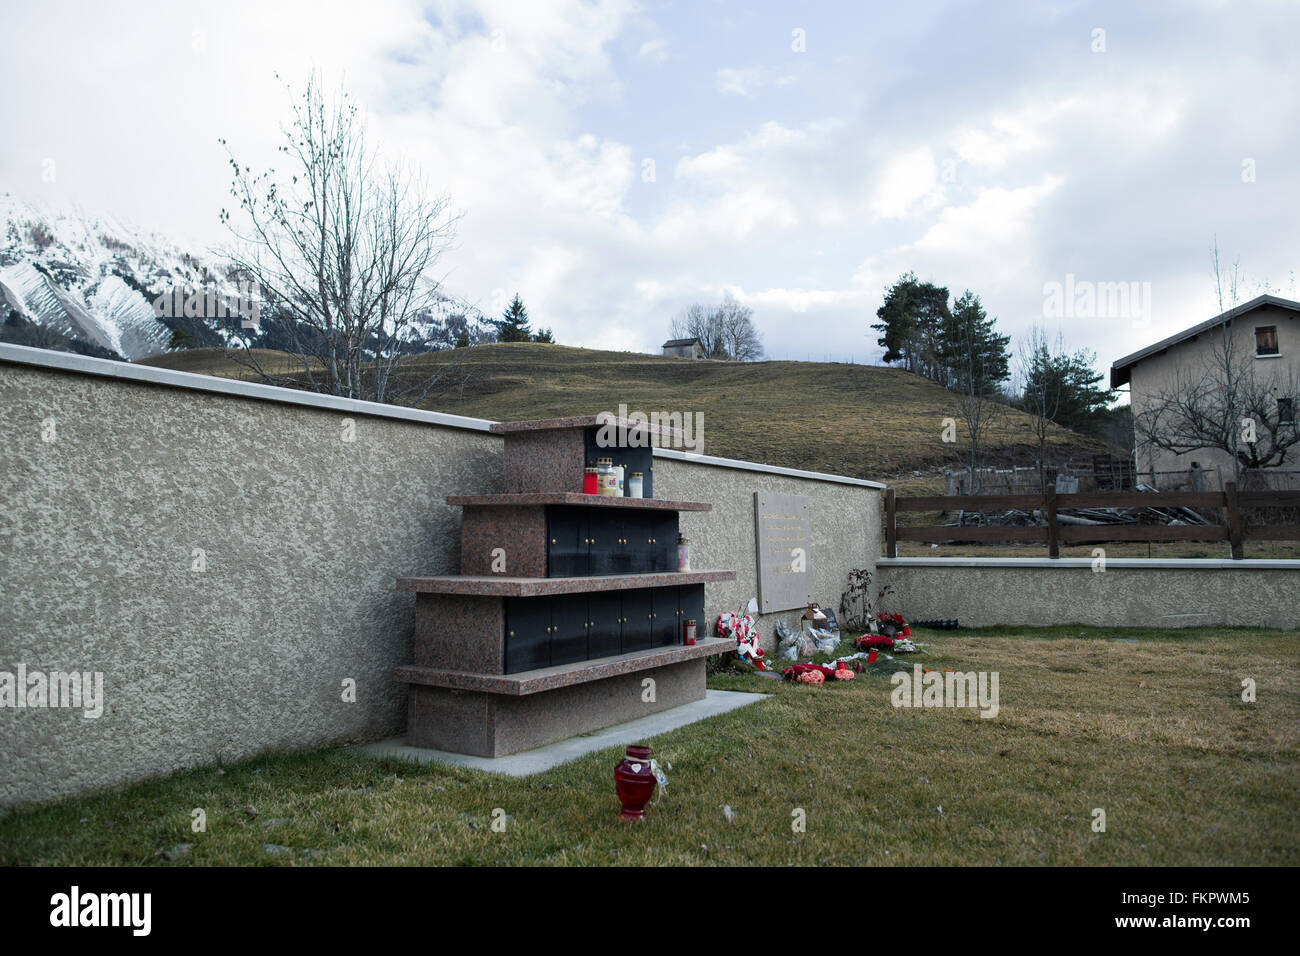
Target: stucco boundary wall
(1139, 592)
(225, 554)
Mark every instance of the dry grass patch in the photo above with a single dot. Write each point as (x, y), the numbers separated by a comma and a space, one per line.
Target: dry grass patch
(858, 420)
(1153, 732)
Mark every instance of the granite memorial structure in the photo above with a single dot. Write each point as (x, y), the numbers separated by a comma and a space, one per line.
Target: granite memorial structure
(566, 602)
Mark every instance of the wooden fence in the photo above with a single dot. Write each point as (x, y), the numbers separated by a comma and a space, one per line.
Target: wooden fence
(1229, 501)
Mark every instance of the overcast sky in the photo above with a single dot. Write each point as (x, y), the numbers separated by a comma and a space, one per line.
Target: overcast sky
(616, 161)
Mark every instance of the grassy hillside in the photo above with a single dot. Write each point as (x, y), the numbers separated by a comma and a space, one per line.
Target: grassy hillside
(225, 363)
(857, 420)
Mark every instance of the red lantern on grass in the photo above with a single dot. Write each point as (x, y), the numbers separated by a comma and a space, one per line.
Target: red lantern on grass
(635, 783)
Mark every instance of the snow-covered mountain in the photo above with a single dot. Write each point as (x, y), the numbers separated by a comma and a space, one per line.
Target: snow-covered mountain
(71, 280)
(91, 279)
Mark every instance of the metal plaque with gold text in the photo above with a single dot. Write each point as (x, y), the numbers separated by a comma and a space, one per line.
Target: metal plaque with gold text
(783, 537)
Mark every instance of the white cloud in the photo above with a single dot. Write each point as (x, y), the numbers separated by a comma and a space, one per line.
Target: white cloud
(654, 49)
(772, 135)
(999, 221)
(733, 159)
(724, 161)
(909, 180)
(797, 301)
(739, 82)
(1134, 116)
(734, 216)
(991, 241)
(992, 144)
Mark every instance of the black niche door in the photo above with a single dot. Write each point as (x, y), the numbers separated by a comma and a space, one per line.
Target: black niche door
(603, 532)
(637, 621)
(650, 543)
(663, 537)
(528, 634)
(622, 559)
(605, 612)
(665, 618)
(567, 551)
(634, 543)
(569, 625)
(690, 601)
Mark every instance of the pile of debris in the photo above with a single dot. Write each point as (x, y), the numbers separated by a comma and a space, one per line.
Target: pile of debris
(1019, 518)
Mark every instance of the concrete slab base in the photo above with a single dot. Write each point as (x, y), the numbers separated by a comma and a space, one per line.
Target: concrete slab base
(553, 755)
(492, 725)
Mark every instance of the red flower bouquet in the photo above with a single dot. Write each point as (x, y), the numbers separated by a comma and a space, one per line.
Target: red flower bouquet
(802, 672)
(869, 642)
(893, 625)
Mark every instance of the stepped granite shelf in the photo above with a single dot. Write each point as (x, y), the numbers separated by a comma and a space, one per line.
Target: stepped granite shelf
(564, 675)
(500, 586)
(568, 614)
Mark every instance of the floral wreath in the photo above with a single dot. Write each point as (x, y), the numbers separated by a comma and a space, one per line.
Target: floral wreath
(733, 624)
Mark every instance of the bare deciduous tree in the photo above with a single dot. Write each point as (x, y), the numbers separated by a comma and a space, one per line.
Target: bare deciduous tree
(979, 414)
(1043, 393)
(342, 249)
(981, 408)
(725, 331)
(740, 339)
(695, 322)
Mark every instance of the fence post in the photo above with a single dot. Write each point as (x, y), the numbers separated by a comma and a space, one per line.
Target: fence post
(1234, 520)
(1053, 534)
(891, 525)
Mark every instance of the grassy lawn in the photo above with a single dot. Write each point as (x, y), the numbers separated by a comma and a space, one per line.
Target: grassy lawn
(1154, 732)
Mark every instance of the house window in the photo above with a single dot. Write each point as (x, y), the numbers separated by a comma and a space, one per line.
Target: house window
(1266, 340)
(1285, 411)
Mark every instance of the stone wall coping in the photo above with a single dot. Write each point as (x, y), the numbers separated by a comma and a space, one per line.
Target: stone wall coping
(677, 455)
(148, 374)
(108, 368)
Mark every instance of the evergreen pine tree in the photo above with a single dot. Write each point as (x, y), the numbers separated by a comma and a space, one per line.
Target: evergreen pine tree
(544, 335)
(1067, 387)
(181, 337)
(910, 323)
(972, 356)
(513, 325)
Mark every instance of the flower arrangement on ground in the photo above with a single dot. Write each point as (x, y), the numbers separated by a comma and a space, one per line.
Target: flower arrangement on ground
(741, 627)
